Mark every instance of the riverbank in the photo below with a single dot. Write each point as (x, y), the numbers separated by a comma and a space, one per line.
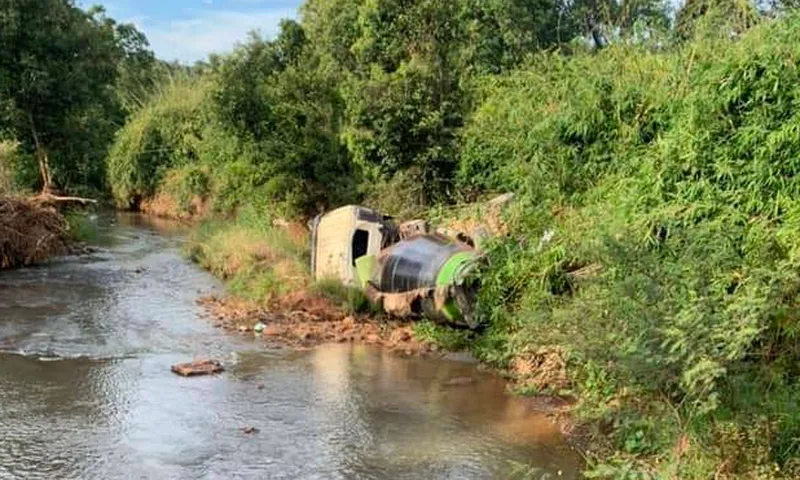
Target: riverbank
(265, 264)
(304, 320)
(616, 427)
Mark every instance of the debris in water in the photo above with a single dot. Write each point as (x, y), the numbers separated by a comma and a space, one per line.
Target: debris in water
(258, 327)
(199, 367)
(250, 430)
(454, 382)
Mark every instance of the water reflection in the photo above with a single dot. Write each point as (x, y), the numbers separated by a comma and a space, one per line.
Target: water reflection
(445, 417)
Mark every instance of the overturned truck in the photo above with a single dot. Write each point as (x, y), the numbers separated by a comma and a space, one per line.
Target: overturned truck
(407, 269)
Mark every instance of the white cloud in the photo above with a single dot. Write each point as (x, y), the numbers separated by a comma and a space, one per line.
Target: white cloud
(204, 32)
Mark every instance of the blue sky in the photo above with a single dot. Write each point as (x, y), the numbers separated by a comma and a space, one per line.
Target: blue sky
(188, 30)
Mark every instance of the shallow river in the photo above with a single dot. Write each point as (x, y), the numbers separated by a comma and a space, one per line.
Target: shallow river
(86, 390)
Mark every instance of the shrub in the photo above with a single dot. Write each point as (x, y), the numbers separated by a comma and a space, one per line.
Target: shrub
(260, 261)
(7, 154)
(166, 132)
(666, 181)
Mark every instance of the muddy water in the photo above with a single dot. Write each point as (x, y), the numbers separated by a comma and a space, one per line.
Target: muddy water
(86, 391)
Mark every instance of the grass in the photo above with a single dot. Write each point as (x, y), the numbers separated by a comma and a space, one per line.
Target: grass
(82, 226)
(258, 260)
(351, 300)
(448, 338)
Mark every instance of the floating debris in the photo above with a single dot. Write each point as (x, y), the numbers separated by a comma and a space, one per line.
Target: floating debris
(250, 430)
(458, 381)
(199, 367)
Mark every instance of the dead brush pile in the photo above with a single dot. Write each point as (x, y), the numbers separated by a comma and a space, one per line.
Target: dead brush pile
(30, 232)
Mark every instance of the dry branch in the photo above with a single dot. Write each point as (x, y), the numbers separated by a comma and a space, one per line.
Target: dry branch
(30, 232)
(48, 198)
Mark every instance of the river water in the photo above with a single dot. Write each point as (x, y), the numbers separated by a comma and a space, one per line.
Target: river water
(86, 390)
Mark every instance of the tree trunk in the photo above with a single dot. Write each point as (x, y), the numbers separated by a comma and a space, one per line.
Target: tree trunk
(44, 162)
(598, 37)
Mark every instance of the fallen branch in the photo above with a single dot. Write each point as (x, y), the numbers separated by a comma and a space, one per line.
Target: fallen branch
(50, 198)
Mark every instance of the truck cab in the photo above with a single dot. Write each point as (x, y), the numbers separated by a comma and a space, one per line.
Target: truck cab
(342, 236)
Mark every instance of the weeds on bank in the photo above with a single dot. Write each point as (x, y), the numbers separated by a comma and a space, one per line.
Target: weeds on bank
(82, 226)
(446, 337)
(258, 260)
(351, 300)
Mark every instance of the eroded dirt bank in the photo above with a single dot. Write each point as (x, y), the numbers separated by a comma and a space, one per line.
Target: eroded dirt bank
(302, 320)
(30, 232)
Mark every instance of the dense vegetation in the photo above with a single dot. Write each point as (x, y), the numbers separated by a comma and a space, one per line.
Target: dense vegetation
(667, 182)
(654, 237)
(68, 78)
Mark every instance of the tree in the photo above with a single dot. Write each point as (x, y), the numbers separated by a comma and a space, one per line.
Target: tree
(498, 35)
(406, 66)
(273, 96)
(139, 74)
(291, 42)
(731, 16)
(58, 66)
(603, 20)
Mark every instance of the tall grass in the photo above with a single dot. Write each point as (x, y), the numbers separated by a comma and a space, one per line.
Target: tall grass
(671, 176)
(8, 152)
(258, 260)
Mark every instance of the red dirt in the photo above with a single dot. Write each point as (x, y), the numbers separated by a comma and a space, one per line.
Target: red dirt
(302, 320)
(544, 369)
(163, 205)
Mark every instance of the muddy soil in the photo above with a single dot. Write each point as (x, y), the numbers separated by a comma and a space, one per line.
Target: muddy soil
(302, 320)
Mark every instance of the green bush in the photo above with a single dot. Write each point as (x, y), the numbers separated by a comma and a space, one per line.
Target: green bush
(186, 183)
(82, 226)
(8, 153)
(267, 129)
(166, 132)
(657, 233)
(448, 338)
(19, 171)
